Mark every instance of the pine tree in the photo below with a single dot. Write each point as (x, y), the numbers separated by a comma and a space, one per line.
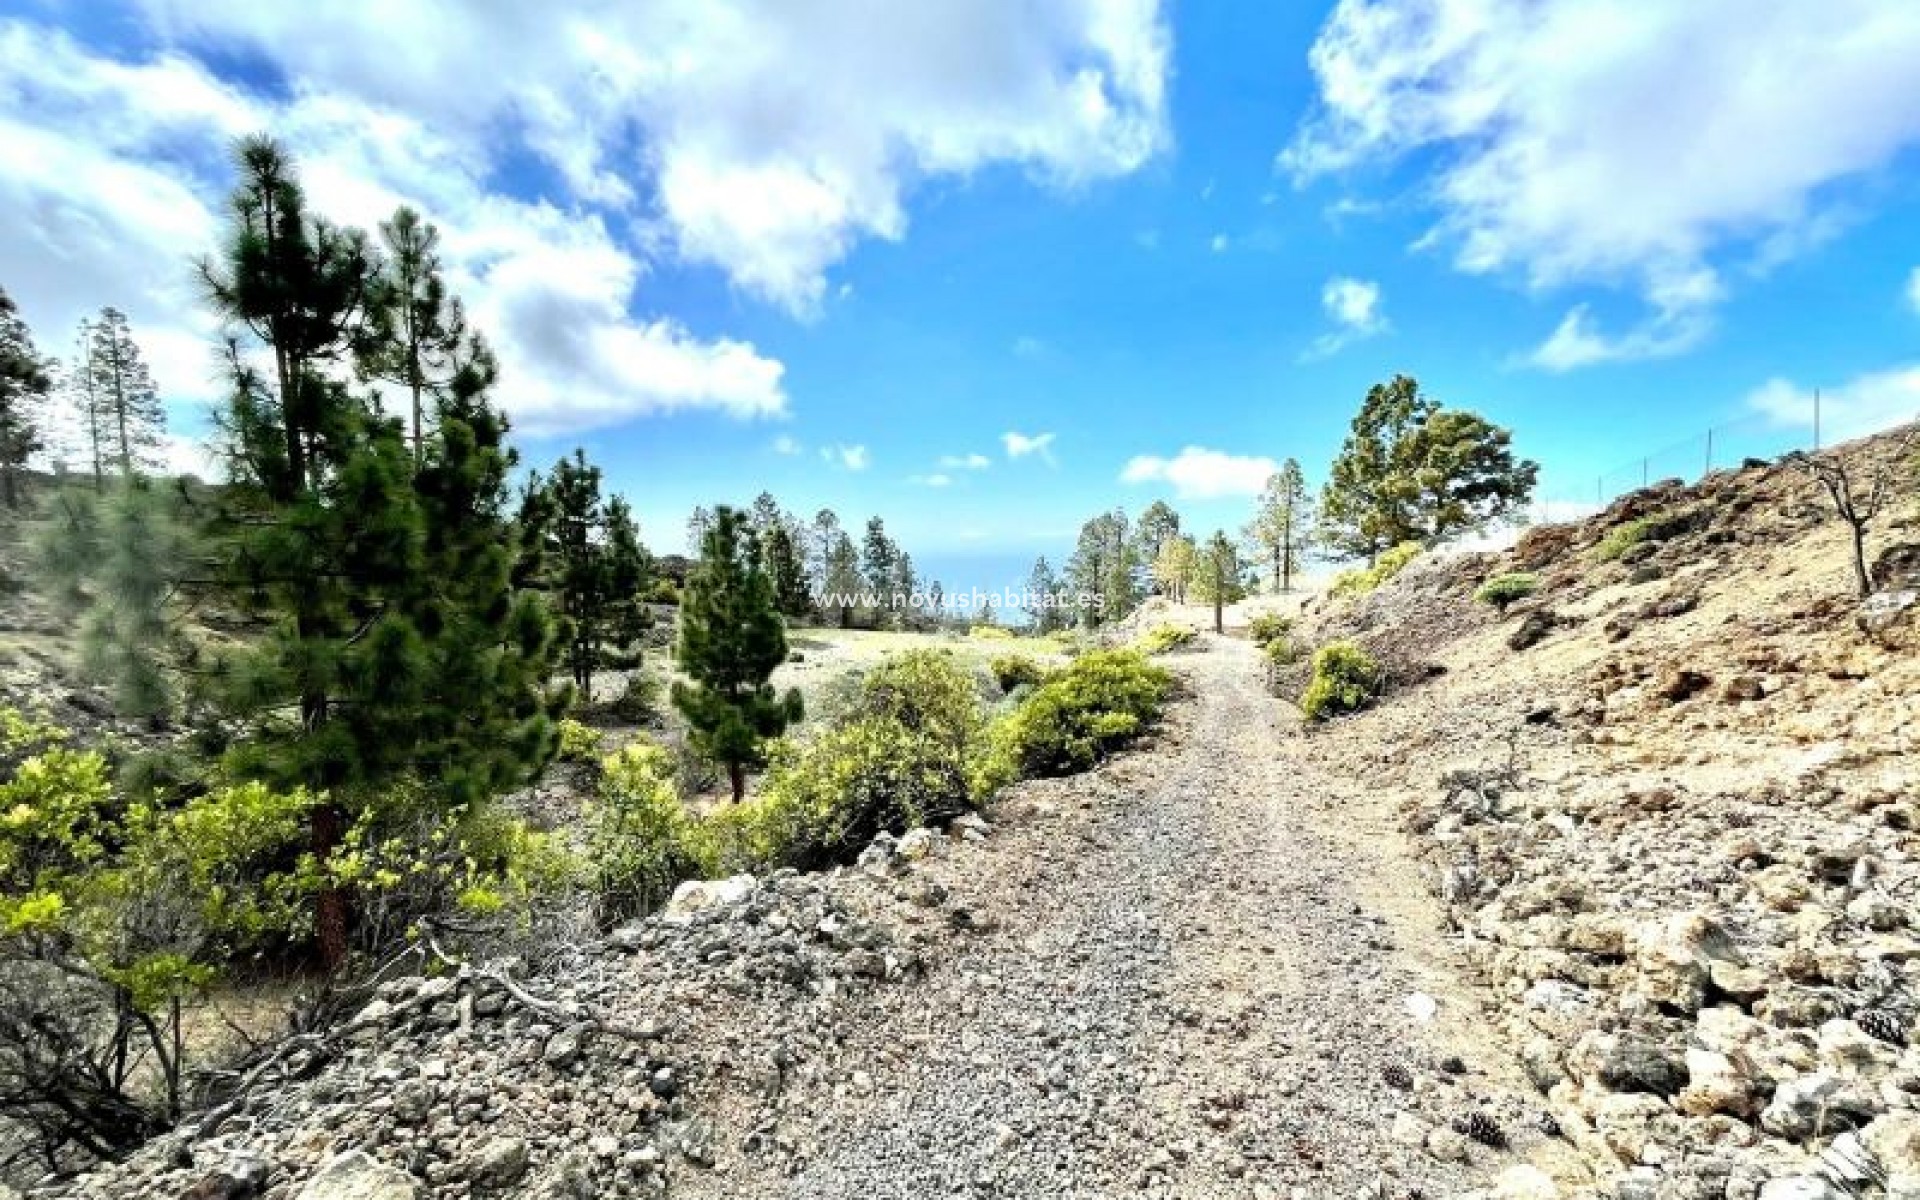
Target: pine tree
(24, 385)
(821, 540)
(789, 577)
(731, 641)
(698, 526)
(1282, 523)
(417, 338)
(1217, 577)
(843, 576)
(1173, 570)
(487, 723)
(77, 381)
(126, 420)
(878, 557)
(1156, 526)
(1412, 471)
(1103, 565)
(325, 540)
(1044, 587)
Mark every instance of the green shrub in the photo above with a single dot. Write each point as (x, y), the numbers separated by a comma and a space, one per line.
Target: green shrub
(1345, 679)
(1162, 638)
(664, 591)
(578, 743)
(1502, 590)
(1282, 651)
(1622, 538)
(639, 701)
(991, 633)
(1098, 703)
(642, 840)
(910, 747)
(1361, 580)
(1267, 628)
(1012, 671)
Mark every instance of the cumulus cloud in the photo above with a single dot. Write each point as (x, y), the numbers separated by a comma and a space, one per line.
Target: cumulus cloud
(787, 444)
(774, 136)
(112, 177)
(1198, 473)
(852, 458)
(1866, 404)
(1219, 243)
(1913, 290)
(1022, 445)
(1618, 144)
(1353, 305)
(936, 480)
(965, 462)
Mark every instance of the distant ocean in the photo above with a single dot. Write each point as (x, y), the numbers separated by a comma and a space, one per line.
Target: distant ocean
(994, 571)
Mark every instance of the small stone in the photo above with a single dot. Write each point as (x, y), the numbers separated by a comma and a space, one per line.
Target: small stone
(356, 1175)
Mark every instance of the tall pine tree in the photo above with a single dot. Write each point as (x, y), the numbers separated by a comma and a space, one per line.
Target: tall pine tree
(417, 338)
(126, 422)
(1282, 523)
(731, 641)
(24, 384)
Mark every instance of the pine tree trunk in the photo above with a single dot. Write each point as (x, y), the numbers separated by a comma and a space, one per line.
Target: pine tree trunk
(330, 911)
(1219, 624)
(737, 776)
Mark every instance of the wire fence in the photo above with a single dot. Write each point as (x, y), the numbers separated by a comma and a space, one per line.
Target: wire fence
(1759, 436)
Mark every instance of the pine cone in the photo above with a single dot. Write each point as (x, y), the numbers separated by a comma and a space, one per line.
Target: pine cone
(1879, 1023)
(1480, 1128)
(1397, 1076)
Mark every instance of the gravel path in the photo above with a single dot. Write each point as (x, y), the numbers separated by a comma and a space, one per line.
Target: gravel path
(1181, 989)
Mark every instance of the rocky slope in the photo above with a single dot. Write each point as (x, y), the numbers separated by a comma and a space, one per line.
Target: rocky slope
(1670, 806)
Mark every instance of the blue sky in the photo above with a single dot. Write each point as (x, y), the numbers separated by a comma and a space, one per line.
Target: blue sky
(857, 260)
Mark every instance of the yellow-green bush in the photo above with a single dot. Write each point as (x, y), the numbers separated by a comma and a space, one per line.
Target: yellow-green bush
(1624, 537)
(1082, 713)
(991, 633)
(642, 841)
(1502, 590)
(1282, 651)
(1345, 679)
(1012, 671)
(911, 747)
(578, 743)
(1266, 628)
(1162, 638)
(1361, 580)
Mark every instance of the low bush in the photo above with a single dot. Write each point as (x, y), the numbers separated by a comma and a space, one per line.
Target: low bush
(642, 840)
(1345, 679)
(991, 633)
(910, 747)
(664, 591)
(578, 743)
(1162, 638)
(1623, 537)
(1267, 628)
(1282, 651)
(1101, 701)
(639, 701)
(1503, 590)
(1361, 580)
(1013, 671)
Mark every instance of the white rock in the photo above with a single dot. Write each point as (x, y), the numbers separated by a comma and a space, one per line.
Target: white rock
(1801, 1187)
(697, 895)
(355, 1175)
(1525, 1183)
(1422, 1007)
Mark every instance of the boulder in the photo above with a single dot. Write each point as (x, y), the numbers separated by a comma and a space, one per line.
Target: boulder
(357, 1175)
(697, 896)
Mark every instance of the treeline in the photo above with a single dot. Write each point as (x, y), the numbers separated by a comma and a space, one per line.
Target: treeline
(1411, 473)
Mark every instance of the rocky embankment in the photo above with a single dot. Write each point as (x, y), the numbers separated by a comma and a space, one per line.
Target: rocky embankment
(1670, 804)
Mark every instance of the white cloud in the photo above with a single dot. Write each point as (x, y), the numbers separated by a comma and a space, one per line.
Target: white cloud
(853, 458)
(1354, 306)
(1197, 473)
(1619, 143)
(1913, 289)
(1219, 243)
(936, 480)
(772, 136)
(1028, 347)
(1020, 445)
(111, 179)
(787, 444)
(965, 462)
(1866, 404)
